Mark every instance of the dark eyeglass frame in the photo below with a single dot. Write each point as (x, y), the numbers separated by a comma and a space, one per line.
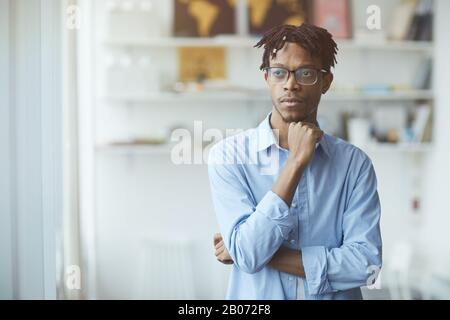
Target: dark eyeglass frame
(267, 69)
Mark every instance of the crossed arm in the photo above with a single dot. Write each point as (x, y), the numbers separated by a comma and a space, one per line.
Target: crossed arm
(253, 234)
(285, 259)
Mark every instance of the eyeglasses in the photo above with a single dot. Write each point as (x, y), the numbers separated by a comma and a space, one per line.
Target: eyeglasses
(304, 76)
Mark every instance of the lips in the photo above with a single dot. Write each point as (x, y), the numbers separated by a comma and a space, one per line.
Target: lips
(291, 102)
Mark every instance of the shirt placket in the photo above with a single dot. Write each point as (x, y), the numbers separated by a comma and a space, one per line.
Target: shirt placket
(301, 207)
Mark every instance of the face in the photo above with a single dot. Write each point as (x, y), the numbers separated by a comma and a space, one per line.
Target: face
(295, 102)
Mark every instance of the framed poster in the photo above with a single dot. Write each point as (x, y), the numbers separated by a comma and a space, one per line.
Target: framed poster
(266, 14)
(333, 15)
(201, 63)
(204, 18)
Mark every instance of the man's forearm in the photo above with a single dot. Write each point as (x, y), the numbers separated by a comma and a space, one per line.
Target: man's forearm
(288, 261)
(288, 180)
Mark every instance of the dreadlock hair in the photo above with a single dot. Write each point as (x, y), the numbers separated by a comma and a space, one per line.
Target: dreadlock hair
(317, 41)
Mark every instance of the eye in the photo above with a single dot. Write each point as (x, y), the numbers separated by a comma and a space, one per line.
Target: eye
(278, 73)
(306, 73)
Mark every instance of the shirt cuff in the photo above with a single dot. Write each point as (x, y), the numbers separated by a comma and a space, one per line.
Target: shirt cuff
(275, 209)
(315, 265)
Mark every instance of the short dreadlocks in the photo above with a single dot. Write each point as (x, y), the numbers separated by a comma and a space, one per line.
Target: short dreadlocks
(317, 41)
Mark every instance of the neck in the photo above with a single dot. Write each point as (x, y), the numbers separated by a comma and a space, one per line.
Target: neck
(282, 127)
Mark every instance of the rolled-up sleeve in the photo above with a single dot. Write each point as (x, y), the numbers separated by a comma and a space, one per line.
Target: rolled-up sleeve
(351, 265)
(252, 231)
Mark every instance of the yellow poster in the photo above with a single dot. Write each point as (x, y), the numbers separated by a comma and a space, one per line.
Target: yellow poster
(201, 63)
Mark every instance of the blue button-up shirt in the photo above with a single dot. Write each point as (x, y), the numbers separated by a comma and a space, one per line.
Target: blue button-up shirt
(333, 219)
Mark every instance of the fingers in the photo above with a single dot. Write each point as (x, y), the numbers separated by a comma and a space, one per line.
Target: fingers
(217, 237)
(219, 248)
(219, 251)
(218, 245)
(313, 129)
(292, 125)
(306, 125)
(222, 254)
(225, 260)
(310, 128)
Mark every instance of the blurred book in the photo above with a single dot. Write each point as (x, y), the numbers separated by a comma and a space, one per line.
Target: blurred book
(376, 89)
(266, 14)
(412, 20)
(422, 124)
(201, 63)
(401, 19)
(421, 28)
(422, 80)
(333, 15)
(389, 122)
(140, 141)
(204, 18)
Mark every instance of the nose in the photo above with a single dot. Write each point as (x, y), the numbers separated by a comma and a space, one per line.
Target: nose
(291, 84)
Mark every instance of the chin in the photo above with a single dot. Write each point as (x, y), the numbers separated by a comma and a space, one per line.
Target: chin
(290, 115)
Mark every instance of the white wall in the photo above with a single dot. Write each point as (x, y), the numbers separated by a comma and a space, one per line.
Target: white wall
(31, 147)
(140, 198)
(435, 236)
(6, 218)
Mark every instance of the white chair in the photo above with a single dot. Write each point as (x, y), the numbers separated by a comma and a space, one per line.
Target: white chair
(397, 271)
(166, 271)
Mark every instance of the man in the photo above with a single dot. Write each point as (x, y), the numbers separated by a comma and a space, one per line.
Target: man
(310, 228)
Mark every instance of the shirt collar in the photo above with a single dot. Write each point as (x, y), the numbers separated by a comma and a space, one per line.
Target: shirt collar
(266, 137)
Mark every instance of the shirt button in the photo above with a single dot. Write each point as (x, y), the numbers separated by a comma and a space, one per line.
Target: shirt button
(291, 278)
(294, 205)
(292, 241)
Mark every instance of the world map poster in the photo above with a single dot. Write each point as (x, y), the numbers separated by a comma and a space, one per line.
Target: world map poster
(266, 14)
(204, 18)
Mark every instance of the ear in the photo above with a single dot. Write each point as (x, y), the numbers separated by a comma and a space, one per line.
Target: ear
(326, 83)
(266, 76)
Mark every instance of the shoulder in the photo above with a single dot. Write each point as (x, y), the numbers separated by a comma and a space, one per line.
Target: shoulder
(347, 154)
(232, 149)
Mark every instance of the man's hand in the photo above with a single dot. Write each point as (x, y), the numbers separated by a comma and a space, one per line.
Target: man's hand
(302, 139)
(221, 251)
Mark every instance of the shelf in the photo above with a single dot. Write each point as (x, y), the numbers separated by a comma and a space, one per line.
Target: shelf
(391, 96)
(236, 42)
(141, 150)
(400, 147)
(411, 46)
(165, 149)
(177, 97)
(263, 96)
(183, 42)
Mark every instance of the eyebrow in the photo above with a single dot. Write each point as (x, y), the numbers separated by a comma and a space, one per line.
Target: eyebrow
(302, 66)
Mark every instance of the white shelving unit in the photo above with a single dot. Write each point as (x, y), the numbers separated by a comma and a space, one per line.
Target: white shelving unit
(401, 147)
(249, 96)
(136, 150)
(263, 95)
(239, 42)
(136, 194)
(166, 149)
(244, 43)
